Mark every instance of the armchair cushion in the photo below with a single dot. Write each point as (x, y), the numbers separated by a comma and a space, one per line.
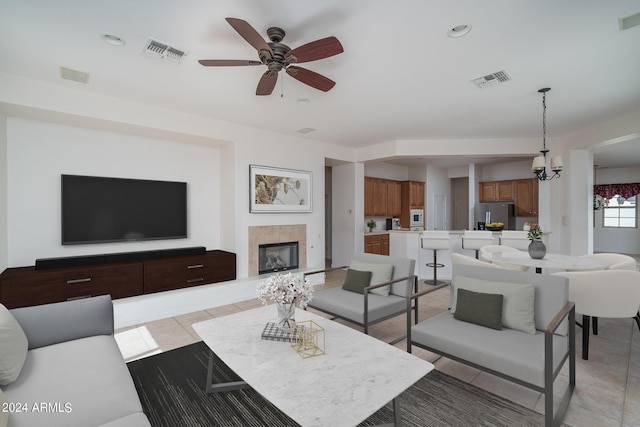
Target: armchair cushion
(480, 308)
(380, 273)
(13, 347)
(356, 280)
(518, 304)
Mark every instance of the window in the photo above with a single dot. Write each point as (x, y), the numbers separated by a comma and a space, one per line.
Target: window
(620, 212)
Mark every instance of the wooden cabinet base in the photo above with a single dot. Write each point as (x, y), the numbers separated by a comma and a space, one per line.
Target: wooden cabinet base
(26, 286)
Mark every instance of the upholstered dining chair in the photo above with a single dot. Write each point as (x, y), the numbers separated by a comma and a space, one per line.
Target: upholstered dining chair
(620, 298)
(459, 259)
(500, 248)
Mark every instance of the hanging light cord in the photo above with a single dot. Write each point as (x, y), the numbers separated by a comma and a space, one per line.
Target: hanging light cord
(544, 122)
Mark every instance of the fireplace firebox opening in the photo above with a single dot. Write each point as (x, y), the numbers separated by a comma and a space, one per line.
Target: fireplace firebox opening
(274, 257)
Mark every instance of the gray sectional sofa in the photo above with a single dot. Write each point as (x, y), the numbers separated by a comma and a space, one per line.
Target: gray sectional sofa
(72, 373)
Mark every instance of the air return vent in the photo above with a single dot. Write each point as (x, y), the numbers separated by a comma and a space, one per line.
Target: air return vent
(75, 75)
(629, 21)
(163, 51)
(491, 79)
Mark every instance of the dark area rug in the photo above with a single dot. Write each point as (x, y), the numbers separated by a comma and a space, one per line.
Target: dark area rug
(171, 388)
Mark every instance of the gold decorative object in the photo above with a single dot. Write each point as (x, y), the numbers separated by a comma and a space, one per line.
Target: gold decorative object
(310, 339)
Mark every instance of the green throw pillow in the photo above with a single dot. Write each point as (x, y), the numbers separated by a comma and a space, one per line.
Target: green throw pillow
(481, 309)
(356, 281)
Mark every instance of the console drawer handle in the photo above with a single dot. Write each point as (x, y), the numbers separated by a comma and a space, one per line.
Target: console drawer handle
(195, 266)
(199, 279)
(72, 281)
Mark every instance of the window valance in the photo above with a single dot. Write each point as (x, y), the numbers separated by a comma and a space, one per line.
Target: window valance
(609, 190)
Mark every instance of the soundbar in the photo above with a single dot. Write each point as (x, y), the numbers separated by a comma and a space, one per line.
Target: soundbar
(83, 260)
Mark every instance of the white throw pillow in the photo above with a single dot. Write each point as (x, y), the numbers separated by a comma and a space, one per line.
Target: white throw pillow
(13, 347)
(380, 273)
(518, 301)
(4, 412)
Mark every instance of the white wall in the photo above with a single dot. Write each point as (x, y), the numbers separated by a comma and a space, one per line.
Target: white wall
(347, 212)
(40, 152)
(4, 245)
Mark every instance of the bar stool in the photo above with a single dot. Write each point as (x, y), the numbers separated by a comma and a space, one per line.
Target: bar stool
(514, 239)
(435, 240)
(474, 240)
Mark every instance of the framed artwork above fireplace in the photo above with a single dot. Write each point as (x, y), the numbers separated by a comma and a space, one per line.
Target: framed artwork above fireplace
(279, 190)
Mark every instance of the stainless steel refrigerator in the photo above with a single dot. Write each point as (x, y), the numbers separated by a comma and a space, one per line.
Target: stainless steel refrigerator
(503, 212)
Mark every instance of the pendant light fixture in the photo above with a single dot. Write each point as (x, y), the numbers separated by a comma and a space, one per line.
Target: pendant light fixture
(539, 165)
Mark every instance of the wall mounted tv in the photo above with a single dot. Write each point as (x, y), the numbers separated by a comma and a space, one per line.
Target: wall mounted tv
(101, 210)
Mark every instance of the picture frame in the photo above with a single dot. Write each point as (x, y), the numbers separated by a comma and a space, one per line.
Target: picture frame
(279, 190)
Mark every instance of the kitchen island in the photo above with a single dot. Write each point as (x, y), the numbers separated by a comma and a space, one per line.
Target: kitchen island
(405, 243)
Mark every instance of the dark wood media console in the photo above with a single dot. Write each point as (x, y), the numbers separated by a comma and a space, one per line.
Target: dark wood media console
(26, 286)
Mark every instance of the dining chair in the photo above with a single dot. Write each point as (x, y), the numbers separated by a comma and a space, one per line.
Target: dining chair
(620, 298)
(475, 239)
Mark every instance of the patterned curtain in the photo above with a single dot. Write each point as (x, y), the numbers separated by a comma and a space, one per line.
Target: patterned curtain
(609, 190)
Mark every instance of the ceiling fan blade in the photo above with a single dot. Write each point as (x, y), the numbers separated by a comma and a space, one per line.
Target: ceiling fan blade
(249, 34)
(315, 50)
(267, 83)
(311, 78)
(227, 62)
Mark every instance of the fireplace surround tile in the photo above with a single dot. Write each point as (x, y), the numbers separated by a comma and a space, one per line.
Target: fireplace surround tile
(264, 234)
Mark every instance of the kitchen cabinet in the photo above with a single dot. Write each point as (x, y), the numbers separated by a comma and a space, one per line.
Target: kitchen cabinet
(526, 197)
(497, 191)
(412, 198)
(376, 244)
(382, 197)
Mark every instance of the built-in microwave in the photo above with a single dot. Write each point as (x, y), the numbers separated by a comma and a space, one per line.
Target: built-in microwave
(416, 219)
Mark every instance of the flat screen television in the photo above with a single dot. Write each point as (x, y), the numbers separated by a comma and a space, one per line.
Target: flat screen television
(102, 210)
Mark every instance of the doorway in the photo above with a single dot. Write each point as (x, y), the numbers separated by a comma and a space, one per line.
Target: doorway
(460, 202)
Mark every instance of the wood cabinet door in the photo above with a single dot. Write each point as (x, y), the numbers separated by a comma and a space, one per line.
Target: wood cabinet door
(394, 198)
(506, 190)
(416, 193)
(524, 197)
(368, 196)
(380, 197)
(384, 249)
(488, 191)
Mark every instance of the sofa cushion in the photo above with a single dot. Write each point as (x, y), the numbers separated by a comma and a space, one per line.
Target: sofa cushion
(13, 347)
(479, 308)
(86, 378)
(356, 280)
(517, 306)
(380, 273)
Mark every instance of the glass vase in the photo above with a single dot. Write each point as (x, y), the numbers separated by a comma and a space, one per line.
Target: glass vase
(537, 249)
(286, 316)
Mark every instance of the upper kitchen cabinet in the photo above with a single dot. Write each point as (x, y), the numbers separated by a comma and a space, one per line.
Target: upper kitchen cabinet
(497, 191)
(526, 197)
(413, 194)
(381, 197)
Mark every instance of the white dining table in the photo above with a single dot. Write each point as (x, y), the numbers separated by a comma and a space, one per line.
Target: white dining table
(550, 261)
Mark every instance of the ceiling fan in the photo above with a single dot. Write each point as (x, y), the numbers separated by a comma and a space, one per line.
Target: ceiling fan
(277, 56)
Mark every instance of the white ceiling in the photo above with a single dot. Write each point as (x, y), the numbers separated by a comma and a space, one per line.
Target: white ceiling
(400, 76)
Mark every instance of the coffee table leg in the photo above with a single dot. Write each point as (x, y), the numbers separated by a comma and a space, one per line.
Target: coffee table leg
(210, 387)
(397, 419)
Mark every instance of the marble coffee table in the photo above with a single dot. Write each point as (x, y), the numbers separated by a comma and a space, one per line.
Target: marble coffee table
(355, 377)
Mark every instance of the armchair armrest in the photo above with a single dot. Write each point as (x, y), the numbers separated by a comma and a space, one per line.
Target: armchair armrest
(65, 321)
(559, 317)
(428, 290)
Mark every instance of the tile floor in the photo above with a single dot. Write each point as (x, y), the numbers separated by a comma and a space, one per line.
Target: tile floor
(608, 384)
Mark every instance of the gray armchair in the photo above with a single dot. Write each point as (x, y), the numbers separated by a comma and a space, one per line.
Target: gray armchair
(370, 306)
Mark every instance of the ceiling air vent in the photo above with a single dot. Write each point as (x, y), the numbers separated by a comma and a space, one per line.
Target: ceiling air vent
(491, 79)
(74, 75)
(629, 21)
(163, 51)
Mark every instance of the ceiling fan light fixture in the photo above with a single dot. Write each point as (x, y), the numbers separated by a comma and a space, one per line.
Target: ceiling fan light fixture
(459, 31)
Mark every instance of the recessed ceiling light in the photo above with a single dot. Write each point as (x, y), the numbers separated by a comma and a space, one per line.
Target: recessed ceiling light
(459, 31)
(111, 39)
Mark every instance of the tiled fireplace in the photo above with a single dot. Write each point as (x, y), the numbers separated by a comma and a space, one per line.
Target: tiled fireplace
(277, 236)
